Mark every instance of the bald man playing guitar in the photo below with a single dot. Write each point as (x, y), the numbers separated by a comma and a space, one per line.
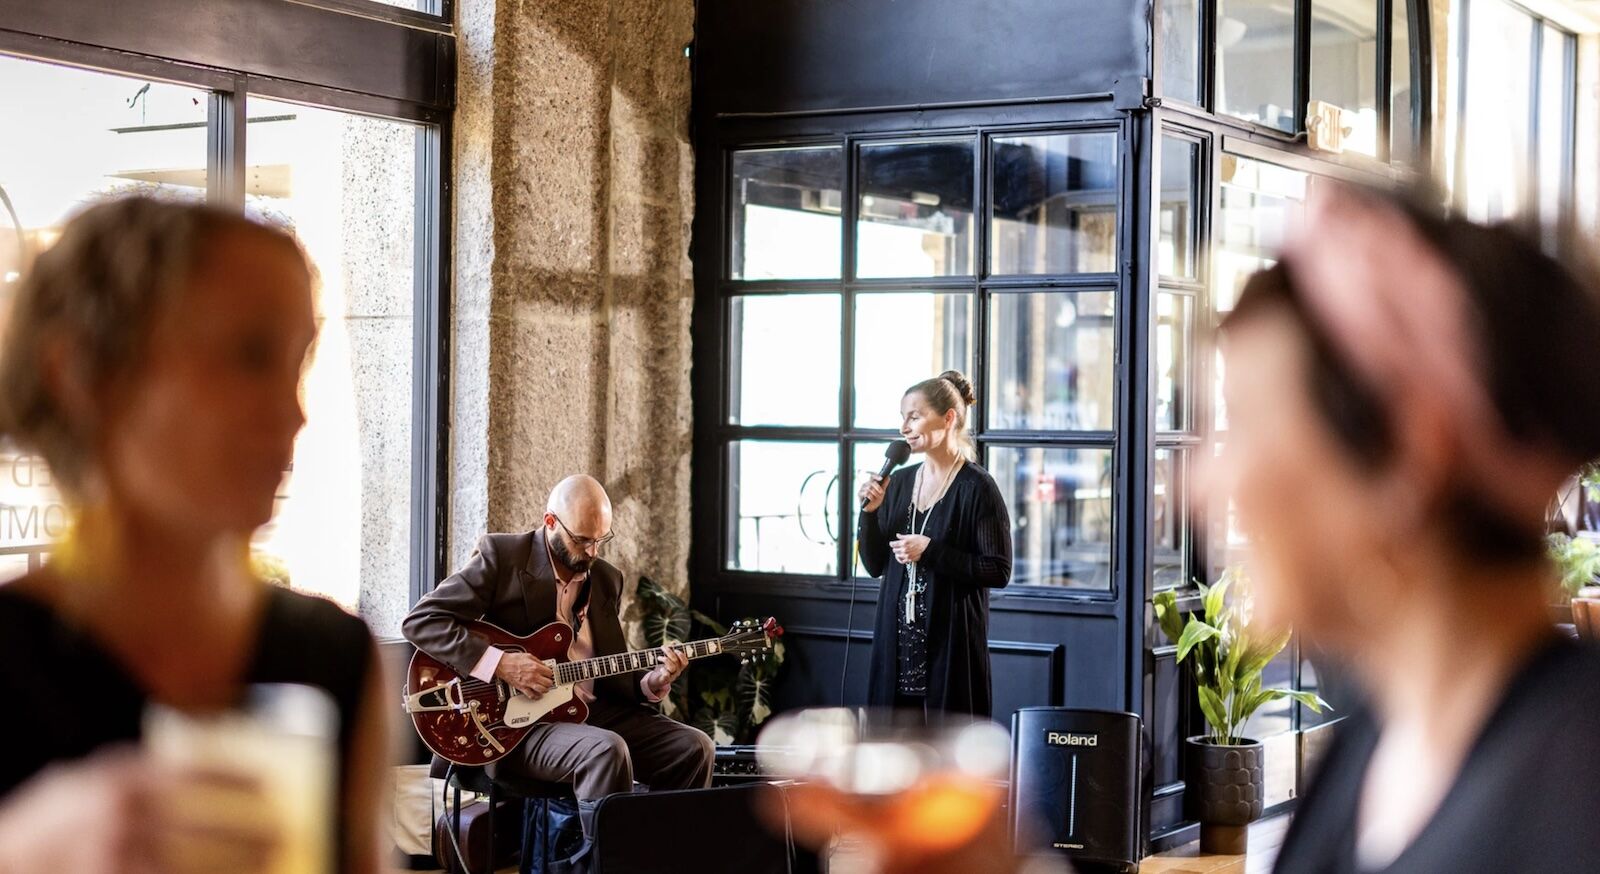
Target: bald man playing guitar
(521, 582)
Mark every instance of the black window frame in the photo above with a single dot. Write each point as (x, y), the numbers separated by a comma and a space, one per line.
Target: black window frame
(365, 83)
(850, 131)
(1418, 22)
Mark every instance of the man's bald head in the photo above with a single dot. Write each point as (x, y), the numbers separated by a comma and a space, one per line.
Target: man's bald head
(581, 503)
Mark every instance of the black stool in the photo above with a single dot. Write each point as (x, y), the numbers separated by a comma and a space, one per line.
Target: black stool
(536, 796)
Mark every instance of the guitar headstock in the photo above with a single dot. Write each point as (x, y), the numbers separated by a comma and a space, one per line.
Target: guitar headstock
(750, 638)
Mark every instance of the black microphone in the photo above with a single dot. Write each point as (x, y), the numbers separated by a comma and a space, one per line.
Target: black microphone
(894, 455)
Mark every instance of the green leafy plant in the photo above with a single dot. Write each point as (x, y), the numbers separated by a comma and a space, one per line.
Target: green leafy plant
(1226, 655)
(725, 698)
(1577, 561)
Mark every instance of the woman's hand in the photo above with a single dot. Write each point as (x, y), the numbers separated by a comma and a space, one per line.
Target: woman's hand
(121, 813)
(909, 547)
(871, 493)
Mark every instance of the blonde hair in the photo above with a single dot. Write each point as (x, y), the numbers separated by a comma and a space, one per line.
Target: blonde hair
(96, 296)
(948, 391)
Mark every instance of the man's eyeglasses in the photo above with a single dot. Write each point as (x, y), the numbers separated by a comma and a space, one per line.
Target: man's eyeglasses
(585, 542)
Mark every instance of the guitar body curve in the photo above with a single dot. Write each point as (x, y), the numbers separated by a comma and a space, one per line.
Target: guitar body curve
(470, 722)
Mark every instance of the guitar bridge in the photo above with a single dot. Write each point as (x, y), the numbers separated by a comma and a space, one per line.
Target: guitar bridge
(440, 697)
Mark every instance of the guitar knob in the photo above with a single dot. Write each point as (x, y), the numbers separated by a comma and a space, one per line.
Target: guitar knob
(572, 711)
(558, 638)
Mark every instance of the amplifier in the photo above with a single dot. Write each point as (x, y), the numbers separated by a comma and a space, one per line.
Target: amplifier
(1077, 785)
(735, 764)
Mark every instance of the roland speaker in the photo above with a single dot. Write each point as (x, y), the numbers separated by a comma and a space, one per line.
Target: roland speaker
(1076, 786)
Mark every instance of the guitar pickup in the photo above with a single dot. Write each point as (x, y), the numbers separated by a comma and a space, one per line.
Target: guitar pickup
(437, 698)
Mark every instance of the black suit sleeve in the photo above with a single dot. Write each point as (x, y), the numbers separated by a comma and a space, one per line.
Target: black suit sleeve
(435, 624)
(990, 565)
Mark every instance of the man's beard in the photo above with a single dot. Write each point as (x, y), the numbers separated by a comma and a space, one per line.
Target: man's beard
(577, 564)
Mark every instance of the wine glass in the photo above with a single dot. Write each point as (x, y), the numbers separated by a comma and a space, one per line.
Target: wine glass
(917, 797)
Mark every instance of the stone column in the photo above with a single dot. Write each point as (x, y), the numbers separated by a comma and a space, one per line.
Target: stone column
(574, 197)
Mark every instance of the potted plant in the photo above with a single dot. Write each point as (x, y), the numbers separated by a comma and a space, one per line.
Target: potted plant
(726, 699)
(1226, 656)
(1577, 560)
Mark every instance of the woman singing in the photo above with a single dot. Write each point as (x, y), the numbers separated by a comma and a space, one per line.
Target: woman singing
(939, 537)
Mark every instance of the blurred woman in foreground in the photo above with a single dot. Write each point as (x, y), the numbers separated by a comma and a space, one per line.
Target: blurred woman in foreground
(153, 358)
(1405, 394)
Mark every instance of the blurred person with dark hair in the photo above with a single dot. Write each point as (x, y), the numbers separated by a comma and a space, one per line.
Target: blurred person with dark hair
(1405, 394)
(153, 358)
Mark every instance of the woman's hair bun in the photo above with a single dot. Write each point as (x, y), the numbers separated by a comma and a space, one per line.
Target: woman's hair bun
(962, 384)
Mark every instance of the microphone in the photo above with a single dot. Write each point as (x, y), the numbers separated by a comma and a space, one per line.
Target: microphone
(894, 455)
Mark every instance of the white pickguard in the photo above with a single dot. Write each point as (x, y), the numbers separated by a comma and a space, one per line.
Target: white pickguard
(522, 711)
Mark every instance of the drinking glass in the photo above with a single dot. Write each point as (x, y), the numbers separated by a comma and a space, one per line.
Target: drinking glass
(282, 741)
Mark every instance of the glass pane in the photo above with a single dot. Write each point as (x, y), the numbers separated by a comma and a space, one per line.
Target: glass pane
(1060, 505)
(1344, 72)
(1180, 50)
(915, 212)
(1255, 61)
(74, 136)
(786, 213)
(1052, 356)
(1174, 342)
(1497, 127)
(784, 360)
(1402, 124)
(1556, 95)
(1170, 520)
(783, 506)
(1179, 159)
(1055, 204)
(346, 185)
(866, 459)
(1258, 203)
(902, 339)
(1273, 725)
(32, 514)
(1226, 544)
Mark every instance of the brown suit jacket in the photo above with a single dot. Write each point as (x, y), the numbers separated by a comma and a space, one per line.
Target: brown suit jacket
(509, 582)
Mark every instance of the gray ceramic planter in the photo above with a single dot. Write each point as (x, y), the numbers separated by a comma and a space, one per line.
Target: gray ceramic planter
(1225, 792)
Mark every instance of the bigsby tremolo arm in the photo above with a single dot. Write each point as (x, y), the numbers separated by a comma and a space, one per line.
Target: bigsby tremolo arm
(447, 696)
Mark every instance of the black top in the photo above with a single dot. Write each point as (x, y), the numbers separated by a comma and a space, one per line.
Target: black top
(969, 553)
(78, 698)
(1526, 797)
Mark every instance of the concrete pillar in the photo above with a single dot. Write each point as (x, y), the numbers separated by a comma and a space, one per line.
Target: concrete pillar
(573, 285)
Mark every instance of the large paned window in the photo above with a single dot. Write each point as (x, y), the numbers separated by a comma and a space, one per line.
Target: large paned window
(1181, 292)
(1258, 200)
(858, 268)
(1261, 61)
(123, 135)
(348, 186)
(1514, 155)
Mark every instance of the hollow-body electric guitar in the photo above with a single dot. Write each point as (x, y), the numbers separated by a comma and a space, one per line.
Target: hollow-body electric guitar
(470, 722)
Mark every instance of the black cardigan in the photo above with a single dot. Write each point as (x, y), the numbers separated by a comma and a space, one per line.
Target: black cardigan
(970, 556)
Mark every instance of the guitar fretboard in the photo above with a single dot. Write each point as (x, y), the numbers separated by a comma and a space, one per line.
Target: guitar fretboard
(628, 662)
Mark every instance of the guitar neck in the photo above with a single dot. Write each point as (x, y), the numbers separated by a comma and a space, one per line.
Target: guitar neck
(628, 662)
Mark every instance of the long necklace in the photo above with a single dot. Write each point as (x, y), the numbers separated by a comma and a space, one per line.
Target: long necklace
(915, 586)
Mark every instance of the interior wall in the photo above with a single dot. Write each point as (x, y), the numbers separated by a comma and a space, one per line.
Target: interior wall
(574, 194)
